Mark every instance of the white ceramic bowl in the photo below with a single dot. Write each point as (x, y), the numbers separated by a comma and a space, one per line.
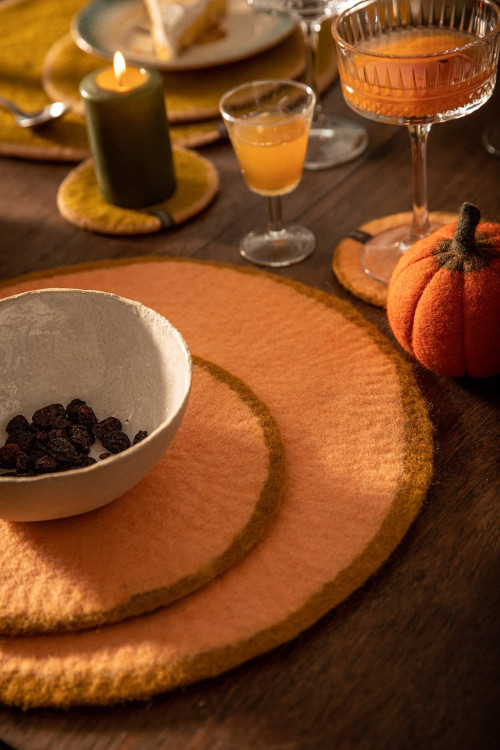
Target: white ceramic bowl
(123, 359)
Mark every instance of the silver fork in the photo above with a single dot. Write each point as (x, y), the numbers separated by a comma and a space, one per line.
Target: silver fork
(39, 117)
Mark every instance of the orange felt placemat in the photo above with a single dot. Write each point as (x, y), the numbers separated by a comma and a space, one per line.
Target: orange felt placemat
(203, 506)
(358, 447)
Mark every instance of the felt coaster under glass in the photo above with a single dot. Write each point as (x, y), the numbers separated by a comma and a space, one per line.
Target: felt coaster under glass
(346, 260)
(200, 509)
(358, 446)
(81, 203)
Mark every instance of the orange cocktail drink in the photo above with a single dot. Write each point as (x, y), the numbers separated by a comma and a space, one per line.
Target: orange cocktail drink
(415, 63)
(271, 148)
(415, 73)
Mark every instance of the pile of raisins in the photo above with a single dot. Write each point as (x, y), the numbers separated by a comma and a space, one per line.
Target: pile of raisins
(58, 439)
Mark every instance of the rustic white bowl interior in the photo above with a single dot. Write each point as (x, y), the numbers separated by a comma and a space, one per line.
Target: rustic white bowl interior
(122, 358)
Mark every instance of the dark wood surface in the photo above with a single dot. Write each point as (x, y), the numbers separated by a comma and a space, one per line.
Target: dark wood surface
(411, 660)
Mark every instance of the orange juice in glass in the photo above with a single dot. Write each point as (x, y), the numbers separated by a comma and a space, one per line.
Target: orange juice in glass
(415, 63)
(271, 148)
(268, 123)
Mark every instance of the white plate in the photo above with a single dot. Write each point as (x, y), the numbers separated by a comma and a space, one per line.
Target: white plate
(104, 26)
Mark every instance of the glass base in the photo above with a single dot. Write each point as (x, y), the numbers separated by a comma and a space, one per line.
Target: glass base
(381, 254)
(334, 140)
(291, 245)
(491, 139)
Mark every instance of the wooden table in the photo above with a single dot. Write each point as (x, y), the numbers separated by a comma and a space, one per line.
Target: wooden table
(410, 660)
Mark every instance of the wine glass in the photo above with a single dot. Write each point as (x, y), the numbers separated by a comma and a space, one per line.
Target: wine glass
(333, 139)
(268, 123)
(415, 63)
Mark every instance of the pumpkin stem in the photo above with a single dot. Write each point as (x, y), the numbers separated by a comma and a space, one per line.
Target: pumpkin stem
(463, 242)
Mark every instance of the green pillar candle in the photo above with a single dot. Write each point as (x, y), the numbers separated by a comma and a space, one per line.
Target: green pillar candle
(129, 137)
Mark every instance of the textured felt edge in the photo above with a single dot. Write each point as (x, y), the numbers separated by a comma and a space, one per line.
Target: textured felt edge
(265, 509)
(41, 153)
(357, 282)
(136, 221)
(412, 488)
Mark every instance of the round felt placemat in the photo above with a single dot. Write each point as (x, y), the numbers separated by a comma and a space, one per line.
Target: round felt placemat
(191, 95)
(201, 508)
(346, 259)
(358, 446)
(80, 202)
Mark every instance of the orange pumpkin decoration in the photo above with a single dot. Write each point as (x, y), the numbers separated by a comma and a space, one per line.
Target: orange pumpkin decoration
(443, 300)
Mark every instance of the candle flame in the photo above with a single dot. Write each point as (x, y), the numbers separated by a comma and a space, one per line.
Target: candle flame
(120, 68)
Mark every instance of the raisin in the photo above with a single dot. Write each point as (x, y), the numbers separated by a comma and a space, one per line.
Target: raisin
(56, 434)
(80, 437)
(62, 423)
(24, 464)
(139, 436)
(19, 423)
(41, 437)
(45, 416)
(115, 441)
(110, 424)
(39, 449)
(23, 438)
(102, 456)
(8, 456)
(86, 416)
(72, 409)
(63, 451)
(45, 465)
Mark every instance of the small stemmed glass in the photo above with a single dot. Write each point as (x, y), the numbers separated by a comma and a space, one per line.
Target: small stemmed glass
(268, 123)
(415, 63)
(333, 139)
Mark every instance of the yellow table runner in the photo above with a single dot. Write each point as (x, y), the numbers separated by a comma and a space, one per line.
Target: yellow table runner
(36, 47)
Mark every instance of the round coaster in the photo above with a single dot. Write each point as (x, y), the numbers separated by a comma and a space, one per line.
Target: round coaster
(201, 508)
(346, 262)
(80, 202)
(358, 445)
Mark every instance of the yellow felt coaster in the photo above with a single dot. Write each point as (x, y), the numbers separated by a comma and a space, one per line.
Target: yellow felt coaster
(80, 201)
(200, 509)
(358, 447)
(346, 261)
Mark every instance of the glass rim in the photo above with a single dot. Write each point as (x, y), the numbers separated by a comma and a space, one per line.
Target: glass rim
(264, 82)
(479, 41)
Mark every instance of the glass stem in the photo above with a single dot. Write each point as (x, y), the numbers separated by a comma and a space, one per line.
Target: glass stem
(275, 223)
(420, 226)
(310, 33)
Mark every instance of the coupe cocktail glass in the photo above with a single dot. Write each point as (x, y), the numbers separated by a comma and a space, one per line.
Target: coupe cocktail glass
(268, 123)
(414, 63)
(333, 139)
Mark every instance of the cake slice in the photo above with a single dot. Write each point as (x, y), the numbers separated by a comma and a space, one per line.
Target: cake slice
(177, 24)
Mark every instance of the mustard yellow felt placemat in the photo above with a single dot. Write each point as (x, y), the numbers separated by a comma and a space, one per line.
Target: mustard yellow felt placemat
(346, 259)
(199, 510)
(358, 448)
(36, 49)
(80, 202)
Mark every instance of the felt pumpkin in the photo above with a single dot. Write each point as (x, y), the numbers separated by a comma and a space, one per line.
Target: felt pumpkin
(443, 300)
